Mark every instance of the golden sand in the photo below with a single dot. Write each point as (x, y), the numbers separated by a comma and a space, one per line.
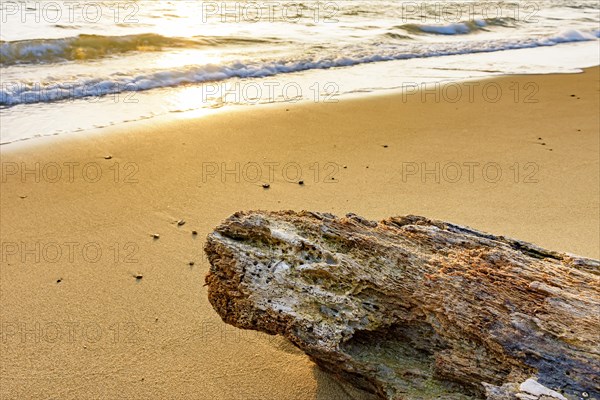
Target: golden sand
(94, 307)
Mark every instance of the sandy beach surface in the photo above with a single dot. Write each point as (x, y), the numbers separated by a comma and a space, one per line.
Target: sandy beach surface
(94, 307)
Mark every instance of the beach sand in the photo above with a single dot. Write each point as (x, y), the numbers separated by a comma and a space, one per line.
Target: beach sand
(77, 323)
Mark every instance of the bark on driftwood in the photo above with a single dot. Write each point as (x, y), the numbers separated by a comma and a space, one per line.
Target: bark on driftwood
(411, 308)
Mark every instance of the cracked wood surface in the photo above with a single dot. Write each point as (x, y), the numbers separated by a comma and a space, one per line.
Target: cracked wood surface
(412, 308)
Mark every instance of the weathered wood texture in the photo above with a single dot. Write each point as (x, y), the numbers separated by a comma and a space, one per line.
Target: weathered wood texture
(411, 308)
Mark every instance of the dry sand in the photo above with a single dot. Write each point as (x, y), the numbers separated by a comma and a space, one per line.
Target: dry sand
(79, 325)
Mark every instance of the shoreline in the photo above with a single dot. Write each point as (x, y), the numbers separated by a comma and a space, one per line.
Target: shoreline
(313, 85)
(159, 337)
(173, 117)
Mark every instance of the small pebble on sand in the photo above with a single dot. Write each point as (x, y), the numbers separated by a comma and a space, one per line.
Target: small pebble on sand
(301, 183)
(266, 186)
(155, 235)
(138, 276)
(108, 157)
(194, 233)
(180, 222)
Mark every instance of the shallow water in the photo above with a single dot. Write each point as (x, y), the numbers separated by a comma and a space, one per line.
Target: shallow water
(107, 63)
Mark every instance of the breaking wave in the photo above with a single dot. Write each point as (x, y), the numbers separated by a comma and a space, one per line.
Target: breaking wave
(459, 28)
(13, 93)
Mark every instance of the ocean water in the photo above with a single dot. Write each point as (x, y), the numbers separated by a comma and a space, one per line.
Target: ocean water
(68, 66)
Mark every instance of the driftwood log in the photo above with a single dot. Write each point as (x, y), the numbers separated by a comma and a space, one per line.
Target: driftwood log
(412, 308)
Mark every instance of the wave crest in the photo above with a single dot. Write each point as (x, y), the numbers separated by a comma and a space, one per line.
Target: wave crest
(458, 28)
(89, 47)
